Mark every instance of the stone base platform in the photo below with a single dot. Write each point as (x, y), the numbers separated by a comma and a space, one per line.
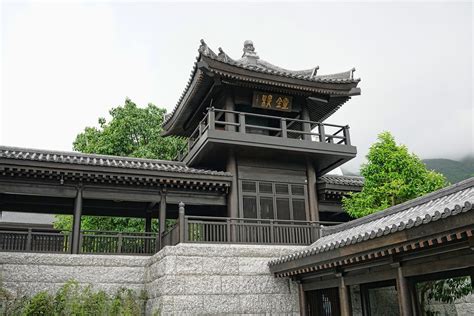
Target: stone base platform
(184, 279)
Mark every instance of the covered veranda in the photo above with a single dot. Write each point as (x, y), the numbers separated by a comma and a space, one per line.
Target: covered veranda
(387, 263)
(190, 205)
(79, 185)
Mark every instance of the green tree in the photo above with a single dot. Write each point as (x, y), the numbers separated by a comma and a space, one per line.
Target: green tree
(392, 176)
(131, 132)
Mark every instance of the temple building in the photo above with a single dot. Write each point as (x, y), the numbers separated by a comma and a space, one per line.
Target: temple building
(255, 221)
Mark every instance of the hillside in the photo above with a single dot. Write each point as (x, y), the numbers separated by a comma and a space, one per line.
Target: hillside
(453, 170)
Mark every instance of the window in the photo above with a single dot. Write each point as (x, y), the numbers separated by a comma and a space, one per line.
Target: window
(270, 200)
(250, 207)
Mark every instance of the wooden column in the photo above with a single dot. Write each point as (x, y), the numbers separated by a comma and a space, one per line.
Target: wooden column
(148, 219)
(76, 224)
(403, 291)
(302, 300)
(162, 219)
(232, 196)
(344, 298)
(312, 192)
(306, 126)
(181, 223)
(229, 106)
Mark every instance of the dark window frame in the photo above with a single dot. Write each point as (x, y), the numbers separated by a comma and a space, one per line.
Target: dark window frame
(274, 196)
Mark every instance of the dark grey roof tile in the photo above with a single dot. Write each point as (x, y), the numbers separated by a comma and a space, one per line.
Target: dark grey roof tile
(102, 160)
(342, 180)
(434, 206)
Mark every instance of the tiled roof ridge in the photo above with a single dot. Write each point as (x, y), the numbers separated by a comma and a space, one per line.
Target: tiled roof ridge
(204, 50)
(263, 66)
(326, 231)
(460, 206)
(175, 166)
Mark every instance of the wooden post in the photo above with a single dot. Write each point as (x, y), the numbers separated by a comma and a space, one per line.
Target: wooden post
(232, 197)
(148, 219)
(148, 223)
(322, 133)
(284, 133)
(242, 128)
(312, 192)
(302, 300)
(119, 243)
(162, 222)
(403, 291)
(182, 226)
(28, 240)
(272, 232)
(345, 304)
(347, 137)
(229, 117)
(315, 228)
(76, 226)
(228, 232)
(212, 119)
(306, 125)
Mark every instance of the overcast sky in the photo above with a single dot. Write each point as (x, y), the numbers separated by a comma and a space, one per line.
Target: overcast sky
(65, 65)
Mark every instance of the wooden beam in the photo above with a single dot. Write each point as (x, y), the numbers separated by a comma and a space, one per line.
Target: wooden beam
(121, 194)
(20, 188)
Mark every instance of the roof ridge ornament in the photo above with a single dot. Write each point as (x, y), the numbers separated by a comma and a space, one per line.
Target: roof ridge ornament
(205, 50)
(249, 52)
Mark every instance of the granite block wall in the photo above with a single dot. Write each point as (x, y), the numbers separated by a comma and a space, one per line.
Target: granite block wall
(184, 279)
(219, 279)
(28, 273)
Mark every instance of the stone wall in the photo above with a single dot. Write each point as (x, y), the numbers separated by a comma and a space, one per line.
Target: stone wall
(219, 279)
(28, 273)
(184, 279)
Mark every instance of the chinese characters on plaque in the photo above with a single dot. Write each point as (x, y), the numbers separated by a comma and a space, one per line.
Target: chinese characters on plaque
(272, 101)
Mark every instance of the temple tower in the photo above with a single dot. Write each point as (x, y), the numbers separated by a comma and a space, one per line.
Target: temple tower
(267, 127)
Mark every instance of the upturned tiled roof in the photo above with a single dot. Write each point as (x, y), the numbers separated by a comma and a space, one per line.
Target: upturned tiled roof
(76, 158)
(254, 63)
(447, 202)
(342, 180)
(251, 61)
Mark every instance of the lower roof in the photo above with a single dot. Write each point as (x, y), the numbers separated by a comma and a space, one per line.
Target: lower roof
(76, 158)
(436, 206)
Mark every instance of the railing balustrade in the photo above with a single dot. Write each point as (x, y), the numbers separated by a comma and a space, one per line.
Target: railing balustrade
(104, 242)
(275, 126)
(204, 229)
(188, 229)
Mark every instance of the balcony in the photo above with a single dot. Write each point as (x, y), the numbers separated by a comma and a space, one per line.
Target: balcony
(328, 144)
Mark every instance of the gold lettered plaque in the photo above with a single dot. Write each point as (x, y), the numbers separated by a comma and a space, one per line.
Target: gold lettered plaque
(272, 101)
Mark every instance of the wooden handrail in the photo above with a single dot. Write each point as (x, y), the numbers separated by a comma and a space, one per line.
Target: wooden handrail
(213, 117)
(254, 231)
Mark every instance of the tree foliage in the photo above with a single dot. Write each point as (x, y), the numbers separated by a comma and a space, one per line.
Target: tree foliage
(392, 176)
(131, 132)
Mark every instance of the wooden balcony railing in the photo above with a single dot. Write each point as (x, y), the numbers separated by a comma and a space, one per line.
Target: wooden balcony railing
(188, 229)
(275, 126)
(90, 242)
(209, 229)
(32, 241)
(203, 229)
